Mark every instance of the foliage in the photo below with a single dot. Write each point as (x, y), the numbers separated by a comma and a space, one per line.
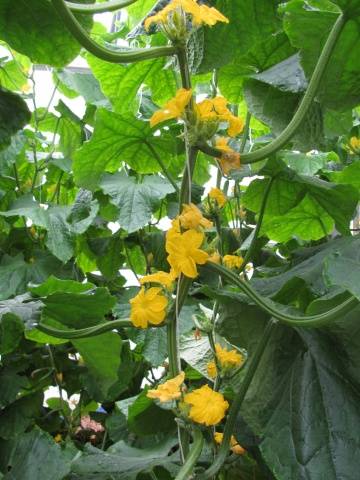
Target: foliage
(262, 343)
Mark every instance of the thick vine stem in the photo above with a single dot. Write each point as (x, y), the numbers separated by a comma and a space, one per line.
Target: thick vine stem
(236, 404)
(81, 35)
(303, 108)
(195, 452)
(92, 8)
(83, 332)
(309, 321)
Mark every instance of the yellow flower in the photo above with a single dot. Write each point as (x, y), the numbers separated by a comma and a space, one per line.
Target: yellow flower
(206, 406)
(211, 369)
(165, 279)
(201, 14)
(174, 108)
(235, 447)
(228, 358)
(355, 144)
(148, 307)
(217, 194)
(222, 144)
(230, 160)
(184, 252)
(233, 261)
(170, 390)
(215, 109)
(215, 257)
(191, 217)
(58, 438)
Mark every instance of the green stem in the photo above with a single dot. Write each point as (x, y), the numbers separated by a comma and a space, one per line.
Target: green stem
(93, 8)
(236, 404)
(185, 189)
(258, 224)
(83, 332)
(195, 452)
(81, 35)
(303, 108)
(184, 284)
(310, 321)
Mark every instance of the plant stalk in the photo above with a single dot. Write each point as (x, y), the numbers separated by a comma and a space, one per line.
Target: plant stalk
(92, 8)
(81, 35)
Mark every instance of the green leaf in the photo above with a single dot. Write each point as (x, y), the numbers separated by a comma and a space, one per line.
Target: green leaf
(118, 139)
(145, 418)
(249, 22)
(289, 188)
(11, 332)
(121, 83)
(349, 176)
(33, 28)
(262, 56)
(307, 221)
(102, 357)
(308, 29)
(343, 272)
(136, 201)
(35, 455)
(154, 345)
(276, 108)
(123, 462)
(61, 232)
(19, 415)
(307, 164)
(83, 84)
(196, 352)
(74, 304)
(14, 115)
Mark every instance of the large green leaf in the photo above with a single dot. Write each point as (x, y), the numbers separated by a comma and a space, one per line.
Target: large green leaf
(307, 221)
(122, 462)
(74, 304)
(276, 108)
(11, 332)
(84, 84)
(136, 201)
(118, 139)
(308, 29)
(350, 175)
(289, 188)
(262, 56)
(121, 83)
(32, 27)
(102, 357)
(249, 22)
(35, 455)
(344, 272)
(14, 114)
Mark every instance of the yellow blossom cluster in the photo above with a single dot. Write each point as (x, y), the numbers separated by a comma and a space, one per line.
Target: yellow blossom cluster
(235, 447)
(174, 108)
(227, 360)
(148, 307)
(217, 195)
(210, 110)
(230, 160)
(207, 407)
(169, 390)
(215, 109)
(355, 144)
(201, 14)
(233, 261)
